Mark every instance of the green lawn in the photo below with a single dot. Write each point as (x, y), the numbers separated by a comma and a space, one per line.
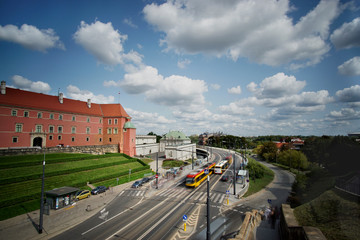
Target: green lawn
(23, 183)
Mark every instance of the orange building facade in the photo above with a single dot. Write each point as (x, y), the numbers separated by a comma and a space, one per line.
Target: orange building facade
(29, 119)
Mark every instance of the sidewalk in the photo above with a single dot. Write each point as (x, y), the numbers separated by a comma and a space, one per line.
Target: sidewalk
(25, 226)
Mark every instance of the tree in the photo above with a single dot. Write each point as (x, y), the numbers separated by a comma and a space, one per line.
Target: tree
(268, 151)
(293, 159)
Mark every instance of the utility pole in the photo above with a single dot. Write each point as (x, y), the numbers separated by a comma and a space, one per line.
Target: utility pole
(157, 169)
(208, 232)
(42, 198)
(234, 175)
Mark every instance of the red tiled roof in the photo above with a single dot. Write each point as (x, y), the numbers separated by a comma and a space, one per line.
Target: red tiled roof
(27, 99)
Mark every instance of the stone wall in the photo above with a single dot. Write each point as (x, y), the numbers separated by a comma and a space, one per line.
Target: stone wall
(95, 149)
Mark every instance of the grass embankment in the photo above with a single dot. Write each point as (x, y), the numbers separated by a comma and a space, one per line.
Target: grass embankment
(22, 184)
(173, 163)
(335, 213)
(260, 180)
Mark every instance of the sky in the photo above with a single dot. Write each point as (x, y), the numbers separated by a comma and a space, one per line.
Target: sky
(240, 67)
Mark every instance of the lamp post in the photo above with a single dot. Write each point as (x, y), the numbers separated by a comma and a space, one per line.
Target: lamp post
(157, 169)
(208, 232)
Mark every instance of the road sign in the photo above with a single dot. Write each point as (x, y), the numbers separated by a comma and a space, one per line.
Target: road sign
(227, 192)
(269, 201)
(156, 176)
(206, 171)
(184, 218)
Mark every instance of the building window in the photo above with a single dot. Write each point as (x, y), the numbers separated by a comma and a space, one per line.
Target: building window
(39, 115)
(87, 130)
(60, 117)
(87, 139)
(115, 131)
(18, 127)
(109, 131)
(14, 113)
(73, 118)
(100, 130)
(100, 120)
(88, 120)
(60, 129)
(15, 139)
(115, 121)
(109, 121)
(109, 139)
(73, 129)
(125, 129)
(51, 137)
(26, 114)
(51, 129)
(100, 139)
(51, 116)
(59, 137)
(38, 128)
(73, 139)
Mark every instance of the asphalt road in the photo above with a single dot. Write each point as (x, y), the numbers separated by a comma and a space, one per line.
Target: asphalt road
(133, 215)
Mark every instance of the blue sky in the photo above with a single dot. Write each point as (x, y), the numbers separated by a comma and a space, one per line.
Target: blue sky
(245, 68)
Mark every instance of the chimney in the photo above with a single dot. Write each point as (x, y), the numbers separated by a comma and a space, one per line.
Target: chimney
(61, 98)
(3, 87)
(89, 103)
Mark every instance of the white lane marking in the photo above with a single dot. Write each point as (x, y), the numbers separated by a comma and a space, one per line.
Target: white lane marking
(121, 193)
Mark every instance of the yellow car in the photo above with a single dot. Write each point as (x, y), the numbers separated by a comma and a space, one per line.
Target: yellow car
(83, 194)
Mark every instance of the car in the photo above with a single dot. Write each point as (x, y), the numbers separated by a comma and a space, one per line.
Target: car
(145, 180)
(97, 190)
(225, 177)
(82, 194)
(137, 184)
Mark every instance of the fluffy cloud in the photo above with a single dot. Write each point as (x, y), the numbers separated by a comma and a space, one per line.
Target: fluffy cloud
(351, 94)
(102, 41)
(83, 95)
(350, 67)
(237, 108)
(235, 90)
(348, 35)
(26, 84)
(344, 114)
(215, 86)
(31, 37)
(276, 86)
(235, 29)
(183, 63)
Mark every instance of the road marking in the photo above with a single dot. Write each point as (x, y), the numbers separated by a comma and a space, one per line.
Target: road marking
(111, 218)
(121, 193)
(222, 198)
(138, 193)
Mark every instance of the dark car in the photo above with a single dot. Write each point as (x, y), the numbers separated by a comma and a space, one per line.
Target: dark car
(98, 190)
(137, 184)
(145, 180)
(225, 177)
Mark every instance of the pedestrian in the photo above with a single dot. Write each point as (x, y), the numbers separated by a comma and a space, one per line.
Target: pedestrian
(267, 213)
(273, 218)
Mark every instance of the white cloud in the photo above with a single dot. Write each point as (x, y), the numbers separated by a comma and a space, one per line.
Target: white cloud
(252, 87)
(183, 63)
(31, 37)
(141, 80)
(83, 95)
(235, 29)
(234, 90)
(237, 108)
(348, 35)
(344, 114)
(111, 83)
(26, 84)
(215, 86)
(278, 85)
(128, 22)
(350, 67)
(351, 94)
(102, 41)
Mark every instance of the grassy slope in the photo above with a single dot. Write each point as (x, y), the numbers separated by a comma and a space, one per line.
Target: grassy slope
(28, 188)
(334, 213)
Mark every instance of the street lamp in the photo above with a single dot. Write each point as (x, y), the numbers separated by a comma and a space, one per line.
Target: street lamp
(42, 198)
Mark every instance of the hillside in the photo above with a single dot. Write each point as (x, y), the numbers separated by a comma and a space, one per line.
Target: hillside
(20, 176)
(335, 213)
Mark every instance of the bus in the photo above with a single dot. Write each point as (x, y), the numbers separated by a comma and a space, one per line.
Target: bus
(195, 178)
(222, 165)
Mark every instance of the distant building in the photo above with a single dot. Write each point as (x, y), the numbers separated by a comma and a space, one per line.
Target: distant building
(30, 119)
(146, 144)
(177, 146)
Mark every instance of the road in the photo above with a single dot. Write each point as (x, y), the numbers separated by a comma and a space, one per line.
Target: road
(134, 214)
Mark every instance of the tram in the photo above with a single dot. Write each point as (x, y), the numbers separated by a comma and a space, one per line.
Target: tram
(223, 165)
(195, 178)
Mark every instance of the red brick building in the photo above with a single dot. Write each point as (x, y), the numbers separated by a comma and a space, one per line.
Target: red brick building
(29, 119)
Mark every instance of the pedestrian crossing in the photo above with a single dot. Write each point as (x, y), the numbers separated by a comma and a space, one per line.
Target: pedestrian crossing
(180, 193)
